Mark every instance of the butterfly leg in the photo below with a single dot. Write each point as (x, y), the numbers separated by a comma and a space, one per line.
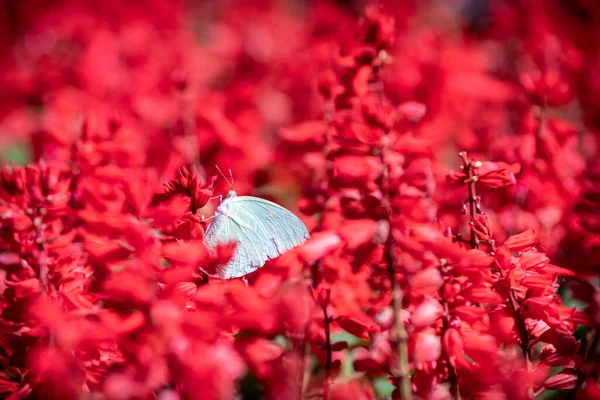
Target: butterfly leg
(220, 197)
(245, 280)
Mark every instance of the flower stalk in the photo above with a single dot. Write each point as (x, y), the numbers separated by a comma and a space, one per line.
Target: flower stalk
(452, 374)
(399, 334)
(470, 168)
(42, 263)
(328, 350)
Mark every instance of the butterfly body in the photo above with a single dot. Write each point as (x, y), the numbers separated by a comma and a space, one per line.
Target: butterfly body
(262, 229)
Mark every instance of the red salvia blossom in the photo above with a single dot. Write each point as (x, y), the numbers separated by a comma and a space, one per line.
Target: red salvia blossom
(425, 276)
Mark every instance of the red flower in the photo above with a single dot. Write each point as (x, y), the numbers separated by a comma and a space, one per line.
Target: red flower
(306, 133)
(355, 171)
(190, 184)
(564, 380)
(105, 279)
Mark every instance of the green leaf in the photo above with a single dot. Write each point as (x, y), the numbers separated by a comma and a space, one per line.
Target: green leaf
(17, 154)
(383, 387)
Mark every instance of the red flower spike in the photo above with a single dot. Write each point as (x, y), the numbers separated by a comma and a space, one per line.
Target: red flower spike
(189, 183)
(426, 313)
(482, 294)
(352, 389)
(295, 306)
(547, 88)
(189, 229)
(306, 133)
(486, 225)
(54, 374)
(427, 280)
(523, 241)
(355, 326)
(413, 111)
(497, 179)
(322, 296)
(456, 178)
(219, 257)
(358, 232)
(174, 213)
(550, 356)
(259, 354)
(564, 380)
(354, 171)
(319, 245)
(191, 253)
(129, 286)
(427, 347)
(591, 390)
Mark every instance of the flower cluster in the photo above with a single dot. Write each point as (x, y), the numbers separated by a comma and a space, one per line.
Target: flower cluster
(442, 158)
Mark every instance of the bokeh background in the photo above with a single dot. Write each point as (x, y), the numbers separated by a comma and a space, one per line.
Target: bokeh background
(213, 82)
(155, 85)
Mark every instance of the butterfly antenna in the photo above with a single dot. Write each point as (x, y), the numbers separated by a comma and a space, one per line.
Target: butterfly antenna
(232, 180)
(224, 177)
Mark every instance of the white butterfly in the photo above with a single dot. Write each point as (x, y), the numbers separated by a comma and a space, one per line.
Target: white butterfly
(263, 231)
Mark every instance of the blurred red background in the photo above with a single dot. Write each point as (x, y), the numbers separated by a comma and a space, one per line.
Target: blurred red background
(343, 115)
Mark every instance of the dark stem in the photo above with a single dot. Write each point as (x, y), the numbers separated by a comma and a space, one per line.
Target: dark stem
(541, 120)
(300, 349)
(590, 355)
(399, 334)
(316, 267)
(42, 263)
(592, 350)
(400, 337)
(521, 327)
(329, 360)
(470, 168)
(452, 374)
(328, 118)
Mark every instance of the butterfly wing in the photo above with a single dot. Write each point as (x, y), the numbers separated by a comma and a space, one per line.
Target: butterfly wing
(263, 230)
(280, 230)
(220, 230)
